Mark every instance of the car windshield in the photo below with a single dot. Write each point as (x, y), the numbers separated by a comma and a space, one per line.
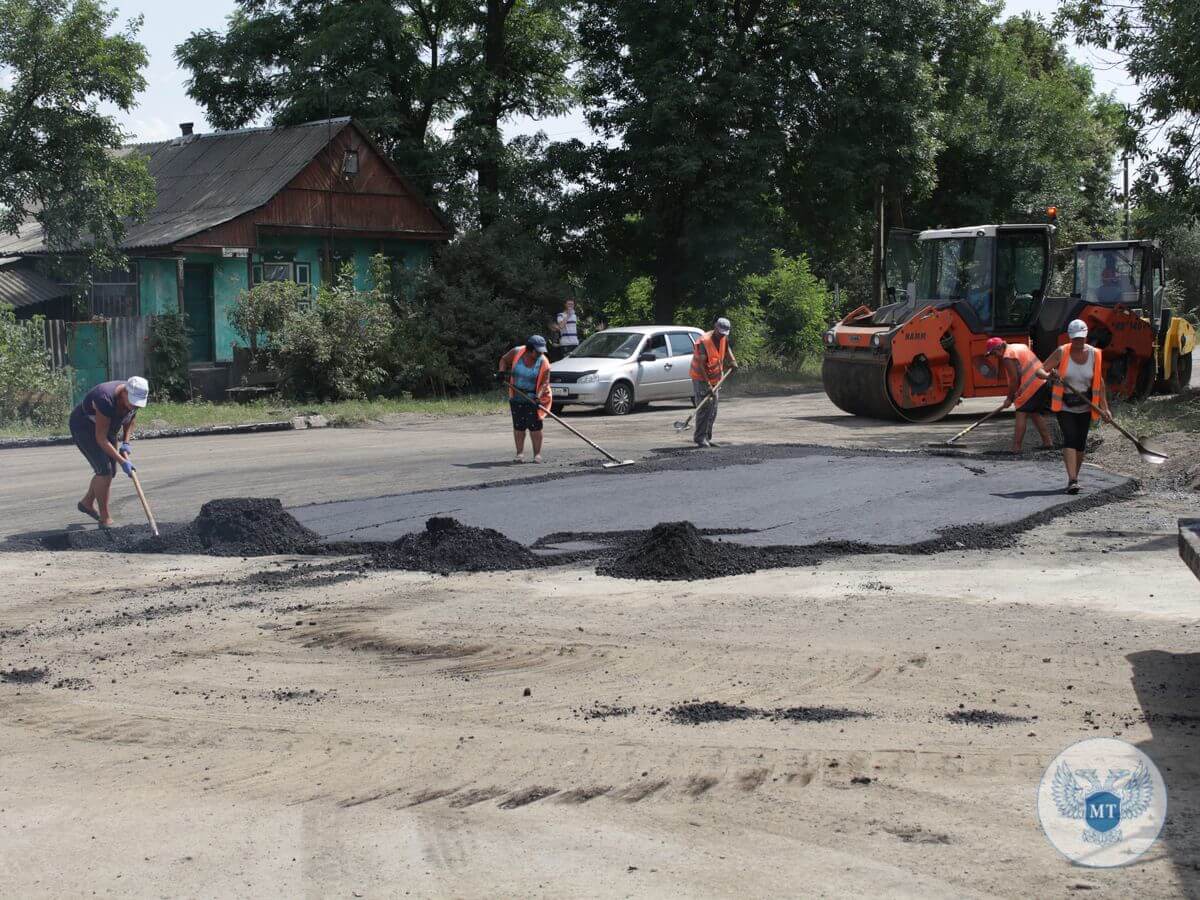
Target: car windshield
(1109, 275)
(608, 345)
(957, 269)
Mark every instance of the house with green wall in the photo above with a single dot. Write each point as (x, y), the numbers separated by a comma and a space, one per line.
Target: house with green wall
(235, 208)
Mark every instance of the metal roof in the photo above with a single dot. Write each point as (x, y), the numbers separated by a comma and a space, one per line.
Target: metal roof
(204, 180)
(22, 287)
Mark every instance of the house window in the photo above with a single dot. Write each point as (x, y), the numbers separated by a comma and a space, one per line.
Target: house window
(114, 292)
(350, 163)
(301, 273)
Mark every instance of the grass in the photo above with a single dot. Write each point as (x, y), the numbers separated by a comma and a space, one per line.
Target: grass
(761, 380)
(1158, 415)
(347, 413)
(772, 378)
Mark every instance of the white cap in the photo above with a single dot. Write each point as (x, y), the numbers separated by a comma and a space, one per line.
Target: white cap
(1077, 329)
(137, 389)
(723, 326)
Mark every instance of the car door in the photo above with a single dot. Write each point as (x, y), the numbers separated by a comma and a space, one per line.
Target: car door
(653, 374)
(679, 369)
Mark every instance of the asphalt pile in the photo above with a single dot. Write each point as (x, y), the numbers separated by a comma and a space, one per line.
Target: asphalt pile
(242, 526)
(677, 551)
(447, 545)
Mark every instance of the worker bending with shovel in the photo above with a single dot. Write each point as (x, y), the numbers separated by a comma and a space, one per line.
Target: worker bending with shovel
(101, 427)
(526, 370)
(1030, 393)
(708, 369)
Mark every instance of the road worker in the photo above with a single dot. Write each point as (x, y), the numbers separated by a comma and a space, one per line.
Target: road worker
(526, 371)
(1030, 394)
(102, 427)
(709, 357)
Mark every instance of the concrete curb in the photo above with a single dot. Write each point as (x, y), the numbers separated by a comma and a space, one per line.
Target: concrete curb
(204, 431)
(1189, 544)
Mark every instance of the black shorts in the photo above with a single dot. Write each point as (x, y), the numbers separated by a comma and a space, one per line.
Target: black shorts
(1075, 427)
(1038, 403)
(525, 416)
(84, 435)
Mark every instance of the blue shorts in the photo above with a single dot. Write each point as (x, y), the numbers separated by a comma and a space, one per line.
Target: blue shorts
(84, 435)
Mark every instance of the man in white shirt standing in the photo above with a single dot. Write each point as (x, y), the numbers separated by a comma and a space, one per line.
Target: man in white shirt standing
(568, 328)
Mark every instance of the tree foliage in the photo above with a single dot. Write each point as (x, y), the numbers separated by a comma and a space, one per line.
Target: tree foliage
(401, 67)
(59, 68)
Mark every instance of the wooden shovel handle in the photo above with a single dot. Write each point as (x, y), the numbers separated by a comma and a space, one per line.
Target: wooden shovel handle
(137, 486)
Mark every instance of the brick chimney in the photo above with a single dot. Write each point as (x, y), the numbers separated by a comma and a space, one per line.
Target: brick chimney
(185, 128)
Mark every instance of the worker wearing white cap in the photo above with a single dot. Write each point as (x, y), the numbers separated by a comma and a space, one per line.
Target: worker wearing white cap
(101, 427)
(709, 356)
(1078, 397)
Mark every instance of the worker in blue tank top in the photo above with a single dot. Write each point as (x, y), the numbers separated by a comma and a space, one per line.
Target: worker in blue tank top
(526, 371)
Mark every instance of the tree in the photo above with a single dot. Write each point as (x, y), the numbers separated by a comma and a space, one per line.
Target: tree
(399, 67)
(1159, 41)
(59, 163)
(1023, 129)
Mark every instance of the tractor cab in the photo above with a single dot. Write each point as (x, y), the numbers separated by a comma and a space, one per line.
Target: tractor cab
(1121, 273)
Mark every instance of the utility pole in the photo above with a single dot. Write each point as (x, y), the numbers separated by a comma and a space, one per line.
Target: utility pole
(879, 248)
(1125, 159)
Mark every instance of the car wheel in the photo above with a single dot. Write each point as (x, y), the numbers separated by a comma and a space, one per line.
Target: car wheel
(620, 399)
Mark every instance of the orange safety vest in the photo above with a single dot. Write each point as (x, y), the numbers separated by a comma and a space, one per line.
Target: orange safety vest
(1027, 362)
(710, 366)
(542, 389)
(1056, 400)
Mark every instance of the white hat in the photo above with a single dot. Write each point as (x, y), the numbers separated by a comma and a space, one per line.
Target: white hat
(723, 326)
(137, 389)
(1077, 329)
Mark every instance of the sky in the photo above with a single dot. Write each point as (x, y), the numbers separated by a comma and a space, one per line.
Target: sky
(165, 102)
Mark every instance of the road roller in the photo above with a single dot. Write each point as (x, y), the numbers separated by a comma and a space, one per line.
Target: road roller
(1120, 292)
(915, 358)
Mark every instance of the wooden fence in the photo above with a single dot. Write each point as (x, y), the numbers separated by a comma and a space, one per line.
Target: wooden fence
(127, 344)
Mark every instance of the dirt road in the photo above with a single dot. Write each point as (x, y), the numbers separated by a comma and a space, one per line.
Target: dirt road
(235, 727)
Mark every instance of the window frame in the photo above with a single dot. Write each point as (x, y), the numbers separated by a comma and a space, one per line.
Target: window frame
(692, 338)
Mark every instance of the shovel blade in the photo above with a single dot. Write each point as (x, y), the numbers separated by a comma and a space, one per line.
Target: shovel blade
(617, 465)
(1149, 454)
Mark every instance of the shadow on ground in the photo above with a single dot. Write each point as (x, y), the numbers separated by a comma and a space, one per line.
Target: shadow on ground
(1168, 688)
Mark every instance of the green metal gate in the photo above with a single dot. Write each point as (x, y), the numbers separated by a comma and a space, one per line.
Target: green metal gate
(87, 349)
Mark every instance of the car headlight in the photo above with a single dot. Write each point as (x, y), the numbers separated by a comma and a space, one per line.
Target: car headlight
(591, 378)
(829, 338)
(875, 341)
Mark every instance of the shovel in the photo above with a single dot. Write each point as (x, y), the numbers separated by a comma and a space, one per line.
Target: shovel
(137, 486)
(681, 426)
(614, 462)
(1148, 455)
(969, 428)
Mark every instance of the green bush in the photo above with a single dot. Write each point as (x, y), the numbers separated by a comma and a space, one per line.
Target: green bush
(169, 357)
(335, 348)
(259, 314)
(796, 306)
(31, 390)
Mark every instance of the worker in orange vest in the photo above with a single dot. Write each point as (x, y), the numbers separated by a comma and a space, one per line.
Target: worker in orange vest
(527, 369)
(709, 356)
(1030, 393)
(1080, 368)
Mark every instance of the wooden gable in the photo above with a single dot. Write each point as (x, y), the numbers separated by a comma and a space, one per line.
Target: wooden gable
(376, 202)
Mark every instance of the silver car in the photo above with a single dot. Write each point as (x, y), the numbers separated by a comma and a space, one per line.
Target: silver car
(623, 367)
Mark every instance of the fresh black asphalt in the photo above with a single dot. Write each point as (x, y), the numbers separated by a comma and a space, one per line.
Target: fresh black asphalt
(790, 496)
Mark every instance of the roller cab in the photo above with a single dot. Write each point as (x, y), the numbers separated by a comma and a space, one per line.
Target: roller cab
(951, 289)
(1120, 292)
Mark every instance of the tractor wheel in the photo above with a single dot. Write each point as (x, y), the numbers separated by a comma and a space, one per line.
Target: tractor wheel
(1145, 380)
(1185, 373)
(1174, 383)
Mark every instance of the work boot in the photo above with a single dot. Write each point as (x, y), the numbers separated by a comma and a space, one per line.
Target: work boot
(703, 442)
